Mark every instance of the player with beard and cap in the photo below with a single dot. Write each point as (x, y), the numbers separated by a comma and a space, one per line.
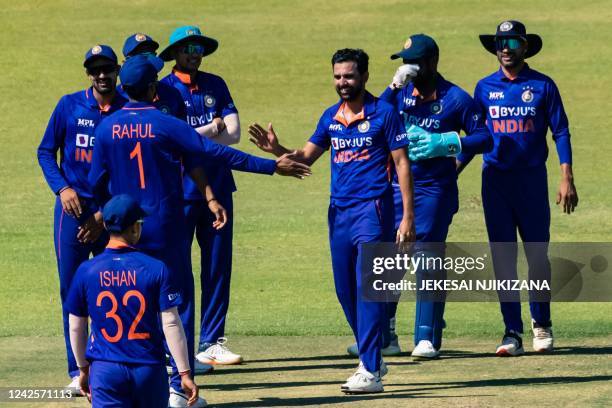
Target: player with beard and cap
(168, 99)
(212, 113)
(362, 132)
(521, 104)
(78, 232)
(434, 110)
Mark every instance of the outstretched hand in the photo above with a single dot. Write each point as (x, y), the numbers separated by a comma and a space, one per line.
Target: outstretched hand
(266, 140)
(287, 166)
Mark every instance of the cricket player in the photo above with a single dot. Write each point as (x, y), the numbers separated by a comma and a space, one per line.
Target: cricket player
(362, 132)
(435, 111)
(77, 233)
(127, 294)
(521, 104)
(142, 152)
(168, 99)
(212, 113)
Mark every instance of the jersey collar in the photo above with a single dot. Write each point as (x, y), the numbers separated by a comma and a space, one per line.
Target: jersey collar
(523, 74)
(118, 245)
(117, 101)
(185, 79)
(137, 106)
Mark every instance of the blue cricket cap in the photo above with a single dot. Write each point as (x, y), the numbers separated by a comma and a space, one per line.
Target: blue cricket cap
(135, 40)
(99, 51)
(120, 212)
(187, 34)
(139, 71)
(417, 46)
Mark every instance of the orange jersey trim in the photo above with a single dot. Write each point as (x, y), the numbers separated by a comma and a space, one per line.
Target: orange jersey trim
(420, 98)
(341, 117)
(185, 79)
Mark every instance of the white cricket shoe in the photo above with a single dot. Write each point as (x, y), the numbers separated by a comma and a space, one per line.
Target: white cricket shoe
(218, 353)
(393, 349)
(383, 367)
(74, 387)
(179, 400)
(512, 345)
(425, 350)
(363, 382)
(543, 339)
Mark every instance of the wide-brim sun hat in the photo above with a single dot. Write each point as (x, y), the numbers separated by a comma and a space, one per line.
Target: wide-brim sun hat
(512, 29)
(186, 34)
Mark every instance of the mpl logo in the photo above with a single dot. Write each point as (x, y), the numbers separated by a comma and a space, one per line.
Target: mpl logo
(494, 112)
(86, 122)
(172, 296)
(496, 96)
(335, 127)
(83, 140)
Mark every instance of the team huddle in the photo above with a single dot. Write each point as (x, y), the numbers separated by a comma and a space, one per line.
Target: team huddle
(146, 165)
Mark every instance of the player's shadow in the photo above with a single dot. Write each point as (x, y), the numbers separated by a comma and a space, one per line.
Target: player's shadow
(245, 369)
(337, 399)
(581, 350)
(309, 358)
(560, 351)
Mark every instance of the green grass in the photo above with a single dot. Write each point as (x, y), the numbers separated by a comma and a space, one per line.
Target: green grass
(275, 57)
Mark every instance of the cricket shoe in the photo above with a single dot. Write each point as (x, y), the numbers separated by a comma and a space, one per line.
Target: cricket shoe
(393, 349)
(179, 400)
(363, 382)
(425, 350)
(74, 387)
(543, 339)
(512, 345)
(218, 353)
(383, 367)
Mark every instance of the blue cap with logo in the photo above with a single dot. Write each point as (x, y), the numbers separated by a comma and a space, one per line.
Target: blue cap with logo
(139, 71)
(136, 40)
(120, 212)
(418, 46)
(99, 51)
(187, 34)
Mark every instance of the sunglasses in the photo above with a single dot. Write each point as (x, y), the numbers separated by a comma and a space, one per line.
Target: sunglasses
(193, 49)
(509, 43)
(105, 69)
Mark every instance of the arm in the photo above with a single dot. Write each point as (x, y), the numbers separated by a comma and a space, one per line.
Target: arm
(464, 158)
(78, 342)
(98, 177)
(406, 231)
(177, 344)
(52, 141)
(268, 142)
(557, 119)
(225, 131)
(201, 180)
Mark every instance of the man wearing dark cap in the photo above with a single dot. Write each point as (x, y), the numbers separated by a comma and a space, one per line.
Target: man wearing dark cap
(212, 113)
(132, 302)
(434, 111)
(168, 99)
(142, 152)
(520, 105)
(77, 231)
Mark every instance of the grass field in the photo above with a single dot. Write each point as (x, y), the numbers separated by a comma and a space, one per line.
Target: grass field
(275, 57)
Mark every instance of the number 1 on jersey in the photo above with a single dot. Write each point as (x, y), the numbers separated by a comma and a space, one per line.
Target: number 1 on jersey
(137, 152)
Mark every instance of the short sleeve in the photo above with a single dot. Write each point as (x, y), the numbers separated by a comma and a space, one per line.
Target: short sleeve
(76, 303)
(169, 296)
(320, 136)
(395, 133)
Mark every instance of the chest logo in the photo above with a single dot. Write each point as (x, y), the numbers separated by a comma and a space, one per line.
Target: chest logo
(436, 108)
(209, 101)
(364, 126)
(527, 96)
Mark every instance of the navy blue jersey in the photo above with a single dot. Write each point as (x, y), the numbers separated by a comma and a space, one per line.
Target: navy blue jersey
(519, 113)
(451, 109)
(123, 291)
(205, 99)
(139, 152)
(71, 132)
(360, 150)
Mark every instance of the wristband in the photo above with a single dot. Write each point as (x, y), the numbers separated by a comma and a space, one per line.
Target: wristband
(184, 373)
(212, 199)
